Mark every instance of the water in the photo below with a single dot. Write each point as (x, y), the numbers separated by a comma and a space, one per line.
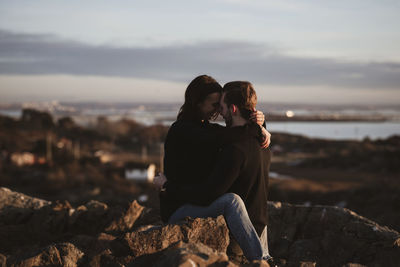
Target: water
(279, 176)
(326, 130)
(338, 130)
(11, 113)
(333, 130)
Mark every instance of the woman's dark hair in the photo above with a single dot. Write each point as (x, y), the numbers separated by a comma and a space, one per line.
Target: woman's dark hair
(196, 92)
(242, 95)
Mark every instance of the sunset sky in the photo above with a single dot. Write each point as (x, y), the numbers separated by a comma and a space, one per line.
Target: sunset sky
(131, 51)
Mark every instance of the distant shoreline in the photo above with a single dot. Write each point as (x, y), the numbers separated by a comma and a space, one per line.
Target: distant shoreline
(330, 118)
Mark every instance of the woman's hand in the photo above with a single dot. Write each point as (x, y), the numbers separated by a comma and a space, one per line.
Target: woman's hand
(267, 138)
(257, 117)
(159, 181)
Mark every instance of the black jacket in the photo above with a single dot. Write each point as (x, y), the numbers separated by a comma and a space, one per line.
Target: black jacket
(241, 167)
(191, 149)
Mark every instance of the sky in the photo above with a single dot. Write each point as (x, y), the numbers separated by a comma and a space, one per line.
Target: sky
(334, 52)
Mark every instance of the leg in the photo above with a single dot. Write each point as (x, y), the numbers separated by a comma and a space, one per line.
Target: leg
(264, 243)
(232, 207)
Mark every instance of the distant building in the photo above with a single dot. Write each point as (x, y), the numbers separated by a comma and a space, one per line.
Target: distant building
(140, 172)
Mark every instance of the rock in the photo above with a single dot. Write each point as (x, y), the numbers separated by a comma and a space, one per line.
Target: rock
(3, 260)
(256, 263)
(106, 250)
(307, 264)
(353, 265)
(149, 216)
(11, 199)
(329, 236)
(97, 249)
(33, 232)
(183, 254)
(212, 232)
(37, 223)
(126, 219)
(16, 207)
(299, 264)
(95, 217)
(63, 254)
(104, 258)
(35, 229)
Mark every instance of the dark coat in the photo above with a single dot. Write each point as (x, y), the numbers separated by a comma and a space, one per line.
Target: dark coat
(191, 148)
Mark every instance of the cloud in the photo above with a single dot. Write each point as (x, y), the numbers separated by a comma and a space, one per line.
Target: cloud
(225, 60)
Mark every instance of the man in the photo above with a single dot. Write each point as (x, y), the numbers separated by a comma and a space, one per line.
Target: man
(250, 181)
(241, 168)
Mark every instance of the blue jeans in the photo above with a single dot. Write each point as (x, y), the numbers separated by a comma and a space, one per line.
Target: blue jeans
(264, 243)
(232, 207)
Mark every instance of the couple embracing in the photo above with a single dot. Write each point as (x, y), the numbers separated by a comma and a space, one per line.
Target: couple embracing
(212, 170)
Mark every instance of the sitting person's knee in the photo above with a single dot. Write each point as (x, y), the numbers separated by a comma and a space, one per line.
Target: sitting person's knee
(233, 198)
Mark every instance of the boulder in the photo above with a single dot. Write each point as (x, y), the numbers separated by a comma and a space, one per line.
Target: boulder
(3, 260)
(10, 199)
(63, 254)
(211, 232)
(183, 254)
(95, 217)
(329, 236)
(96, 249)
(148, 216)
(29, 222)
(16, 207)
(108, 250)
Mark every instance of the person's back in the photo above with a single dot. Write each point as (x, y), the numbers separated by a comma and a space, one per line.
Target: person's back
(250, 185)
(251, 180)
(191, 148)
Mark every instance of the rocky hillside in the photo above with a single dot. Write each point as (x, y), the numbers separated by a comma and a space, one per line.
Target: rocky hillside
(35, 232)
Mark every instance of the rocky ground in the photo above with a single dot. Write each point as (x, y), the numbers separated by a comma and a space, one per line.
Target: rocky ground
(36, 232)
(375, 196)
(359, 175)
(83, 212)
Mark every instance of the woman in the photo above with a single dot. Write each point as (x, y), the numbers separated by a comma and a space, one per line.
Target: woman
(191, 149)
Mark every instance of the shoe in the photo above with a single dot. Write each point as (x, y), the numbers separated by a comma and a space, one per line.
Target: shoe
(266, 258)
(270, 260)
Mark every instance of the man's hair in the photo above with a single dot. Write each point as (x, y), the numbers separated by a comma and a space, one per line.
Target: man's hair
(196, 92)
(242, 95)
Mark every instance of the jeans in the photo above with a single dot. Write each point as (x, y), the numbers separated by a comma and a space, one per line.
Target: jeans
(264, 243)
(232, 207)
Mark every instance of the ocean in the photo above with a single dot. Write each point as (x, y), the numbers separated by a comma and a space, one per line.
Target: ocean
(148, 114)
